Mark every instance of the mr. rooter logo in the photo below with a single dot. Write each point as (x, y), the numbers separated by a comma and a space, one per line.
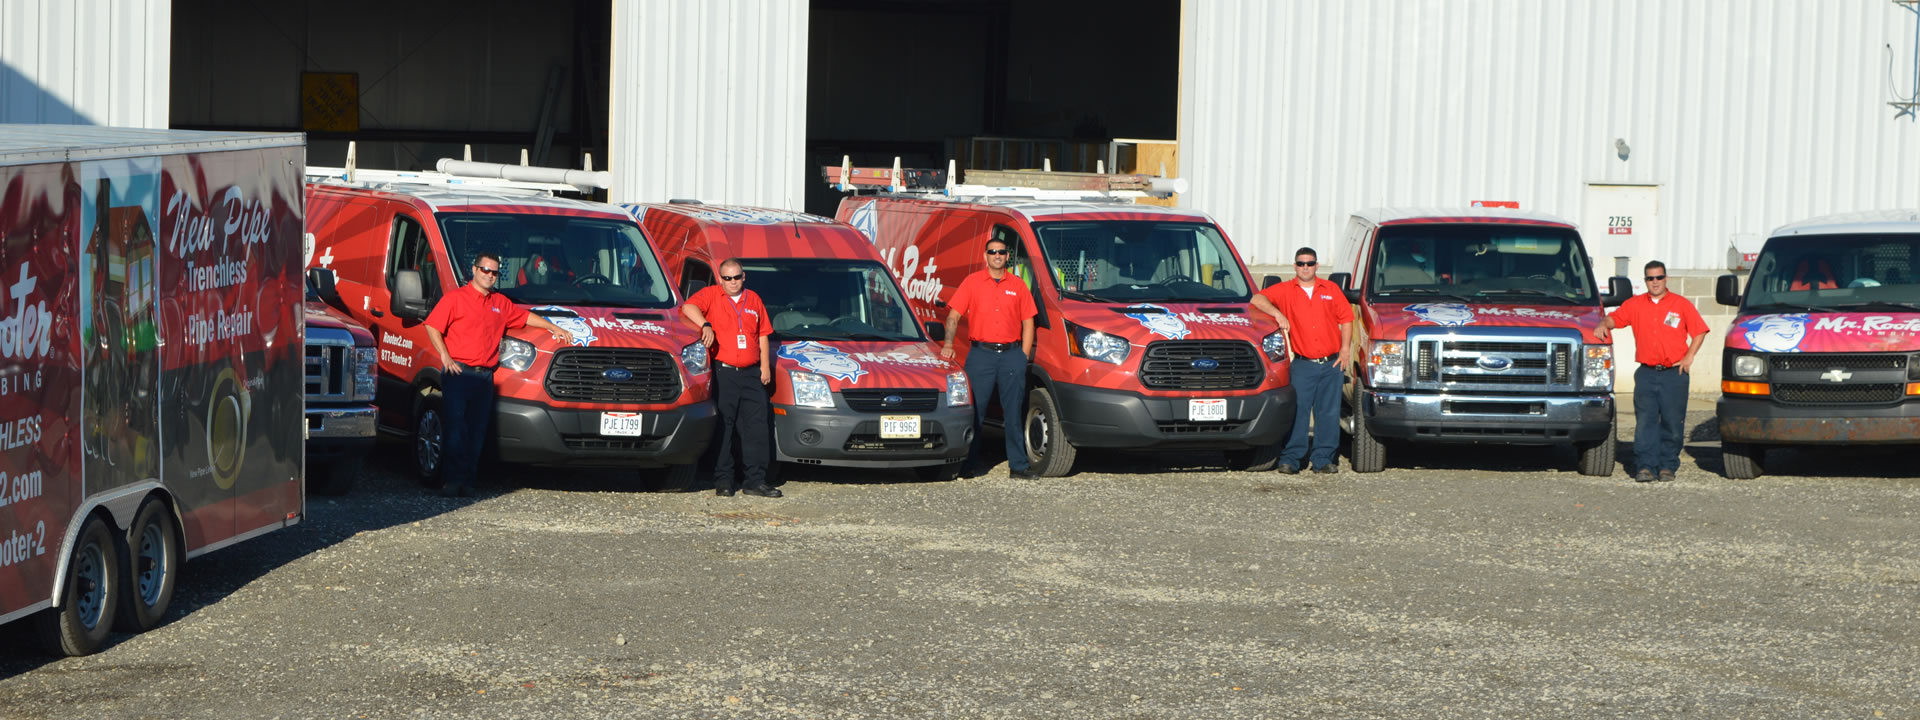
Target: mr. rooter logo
(26, 328)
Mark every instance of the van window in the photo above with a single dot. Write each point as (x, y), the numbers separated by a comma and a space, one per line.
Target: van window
(831, 299)
(1818, 273)
(1142, 261)
(560, 259)
(1480, 262)
(412, 250)
(694, 277)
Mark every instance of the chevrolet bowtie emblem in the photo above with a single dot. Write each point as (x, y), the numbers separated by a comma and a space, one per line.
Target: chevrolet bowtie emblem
(1835, 375)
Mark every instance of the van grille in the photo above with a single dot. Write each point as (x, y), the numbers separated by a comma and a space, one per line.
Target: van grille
(1169, 365)
(1848, 361)
(1830, 394)
(578, 375)
(920, 400)
(326, 370)
(1530, 365)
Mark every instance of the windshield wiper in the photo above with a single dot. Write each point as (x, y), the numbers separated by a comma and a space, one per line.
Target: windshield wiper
(1425, 291)
(1909, 307)
(1788, 307)
(1085, 297)
(1531, 292)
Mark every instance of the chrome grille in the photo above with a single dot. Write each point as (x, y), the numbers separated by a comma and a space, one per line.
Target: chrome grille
(1831, 394)
(1168, 365)
(577, 374)
(918, 400)
(1453, 363)
(329, 374)
(1848, 361)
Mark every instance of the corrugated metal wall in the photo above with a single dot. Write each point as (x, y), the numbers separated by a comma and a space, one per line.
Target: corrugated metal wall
(84, 62)
(709, 101)
(1747, 114)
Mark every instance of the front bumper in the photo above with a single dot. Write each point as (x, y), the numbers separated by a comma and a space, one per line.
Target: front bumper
(334, 432)
(532, 433)
(1511, 419)
(1100, 417)
(848, 438)
(1762, 421)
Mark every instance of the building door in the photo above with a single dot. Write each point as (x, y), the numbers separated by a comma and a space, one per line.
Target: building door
(1621, 227)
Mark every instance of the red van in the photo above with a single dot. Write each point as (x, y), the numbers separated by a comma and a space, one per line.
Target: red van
(1144, 339)
(857, 383)
(629, 391)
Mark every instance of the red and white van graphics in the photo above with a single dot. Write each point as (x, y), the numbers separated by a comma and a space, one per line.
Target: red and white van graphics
(1476, 326)
(628, 391)
(151, 286)
(1825, 349)
(857, 383)
(1144, 339)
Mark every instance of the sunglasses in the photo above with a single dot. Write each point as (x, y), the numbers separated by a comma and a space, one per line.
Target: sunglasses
(1651, 278)
(996, 252)
(731, 278)
(1309, 263)
(490, 271)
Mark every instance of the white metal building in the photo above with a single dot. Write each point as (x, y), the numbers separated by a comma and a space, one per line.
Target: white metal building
(84, 62)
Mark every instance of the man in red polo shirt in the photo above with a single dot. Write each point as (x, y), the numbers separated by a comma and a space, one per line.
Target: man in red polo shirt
(1317, 319)
(999, 311)
(1666, 335)
(733, 323)
(465, 328)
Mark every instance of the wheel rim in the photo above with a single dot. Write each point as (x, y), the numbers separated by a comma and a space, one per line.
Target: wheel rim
(89, 572)
(426, 443)
(1037, 434)
(152, 568)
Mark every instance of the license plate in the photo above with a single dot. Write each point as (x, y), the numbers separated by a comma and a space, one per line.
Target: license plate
(898, 427)
(1207, 410)
(619, 423)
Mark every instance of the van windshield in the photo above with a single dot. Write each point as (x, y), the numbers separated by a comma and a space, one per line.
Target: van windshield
(831, 300)
(1483, 263)
(1824, 273)
(559, 260)
(1141, 261)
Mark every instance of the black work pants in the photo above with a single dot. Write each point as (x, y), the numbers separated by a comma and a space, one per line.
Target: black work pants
(743, 415)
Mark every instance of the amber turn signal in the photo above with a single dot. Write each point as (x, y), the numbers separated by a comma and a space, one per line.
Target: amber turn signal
(1735, 387)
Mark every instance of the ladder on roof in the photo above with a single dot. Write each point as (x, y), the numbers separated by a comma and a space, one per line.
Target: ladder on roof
(1043, 184)
(448, 171)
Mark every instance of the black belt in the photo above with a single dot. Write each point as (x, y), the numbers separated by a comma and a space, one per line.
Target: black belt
(1659, 368)
(475, 368)
(997, 347)
(755, 366)
(1327, 359)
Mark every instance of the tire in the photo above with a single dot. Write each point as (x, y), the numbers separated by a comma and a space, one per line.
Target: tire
(676, 477)
(334, 478)
(153, 568)
(430, 440)
(1255, 459)
(1742, 461)
(1047, 448)
(1369, 454)
(79, 626)
(1597, 459)
(944, 472)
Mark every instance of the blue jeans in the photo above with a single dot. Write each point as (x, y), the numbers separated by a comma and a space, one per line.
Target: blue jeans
(468, 401)
(1659, 417)
(1005, 370)
(1316, 388)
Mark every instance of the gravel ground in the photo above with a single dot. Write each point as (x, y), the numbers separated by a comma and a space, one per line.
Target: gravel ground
(1462, 582)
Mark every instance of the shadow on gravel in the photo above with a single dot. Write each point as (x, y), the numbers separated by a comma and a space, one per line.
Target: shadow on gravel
(385, 495)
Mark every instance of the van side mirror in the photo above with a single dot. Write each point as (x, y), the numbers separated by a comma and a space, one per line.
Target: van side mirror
(1726, 290)
(936, 332)
(322, 282)
(1344, 281)
(409, 300)
(1270, 281)
(1618, 290)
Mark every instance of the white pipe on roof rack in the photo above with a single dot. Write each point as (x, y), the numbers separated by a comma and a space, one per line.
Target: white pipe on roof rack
(526, 173)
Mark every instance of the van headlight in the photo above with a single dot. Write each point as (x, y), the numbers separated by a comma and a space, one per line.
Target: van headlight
(1387, 363)
(1275, 346)
(694, 357)
(1597, 373)
(810, 390)
(1749, 366)
(366, 367)
(516, 354)
(959, 393)
(1095, 345)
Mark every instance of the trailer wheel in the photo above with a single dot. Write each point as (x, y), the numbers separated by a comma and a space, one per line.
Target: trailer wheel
(430, 440)
(1047, 447)
(153, 564)
(1743, 461)
(79, 626)
(1597, 459)
(335, 477)
(1369, 454)
(1254, 459)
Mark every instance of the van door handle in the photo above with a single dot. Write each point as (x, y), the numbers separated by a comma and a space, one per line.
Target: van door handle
(376, 312)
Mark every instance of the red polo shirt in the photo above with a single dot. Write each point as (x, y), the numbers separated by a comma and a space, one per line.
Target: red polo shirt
(1313, 322)
(993, 308)
(472, 324)
(732, 321)
(1660, 329)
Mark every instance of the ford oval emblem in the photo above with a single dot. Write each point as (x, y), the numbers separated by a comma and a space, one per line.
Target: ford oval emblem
(1206, 364)
(892, 400)
(617, 374)
(1494, 362)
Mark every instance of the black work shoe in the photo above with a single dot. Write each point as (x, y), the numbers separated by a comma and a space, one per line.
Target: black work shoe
(1644, 476)
(1666, 476)
(1328, 469)
(1022, 474)
(723, 491)
(763, 492)
(1287, 469)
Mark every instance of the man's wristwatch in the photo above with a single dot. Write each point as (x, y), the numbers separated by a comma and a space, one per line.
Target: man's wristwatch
(705, 325)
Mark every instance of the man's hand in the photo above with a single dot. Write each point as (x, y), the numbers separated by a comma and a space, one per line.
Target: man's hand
(946, 351)
(706, 336)
(563, 335)
(1685, 364)
(766, 374)
(447, 363)
(1603, 333)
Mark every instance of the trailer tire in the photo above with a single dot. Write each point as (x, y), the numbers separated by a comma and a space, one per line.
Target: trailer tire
(1742, 461)
(335, 477)
(1369, 454)
(79, 626)
(1254, 459)
(1597, 459)
(1048, 450)
(430, 439)
(153, 568)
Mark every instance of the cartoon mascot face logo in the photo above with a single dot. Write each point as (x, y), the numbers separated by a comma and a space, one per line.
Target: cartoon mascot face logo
(828, 361)
(1442, 313)
(1776, 333)
(866, 221)
(1164, 323)
(582, 332)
